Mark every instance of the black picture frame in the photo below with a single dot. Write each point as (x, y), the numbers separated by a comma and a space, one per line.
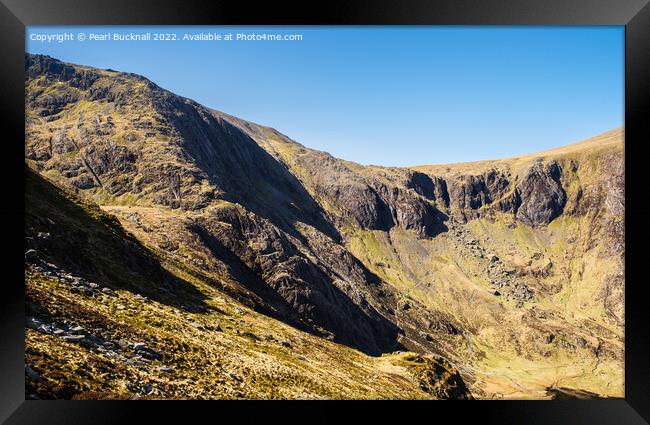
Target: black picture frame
(633, 14)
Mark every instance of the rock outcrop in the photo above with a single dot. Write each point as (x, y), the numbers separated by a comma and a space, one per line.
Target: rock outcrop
(473, 192)
(540, 194)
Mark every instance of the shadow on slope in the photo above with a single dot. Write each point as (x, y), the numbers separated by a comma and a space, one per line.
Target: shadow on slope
(235, 163)
(83, 240)
(250, 176)
(273, 304)
(306, 298)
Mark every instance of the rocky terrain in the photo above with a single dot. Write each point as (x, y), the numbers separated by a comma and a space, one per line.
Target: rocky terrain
(174, 251)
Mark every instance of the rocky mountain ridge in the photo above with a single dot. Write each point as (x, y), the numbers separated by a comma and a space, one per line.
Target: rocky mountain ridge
(377, 258)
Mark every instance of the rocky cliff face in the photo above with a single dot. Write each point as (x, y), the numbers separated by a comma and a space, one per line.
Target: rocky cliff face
(540, 195)
(467, 261)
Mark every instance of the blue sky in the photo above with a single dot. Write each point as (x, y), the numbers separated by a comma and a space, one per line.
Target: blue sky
(387, 95)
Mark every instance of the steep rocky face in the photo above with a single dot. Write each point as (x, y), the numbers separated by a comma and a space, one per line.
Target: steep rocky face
(473, 192)
(510, 261)
(364, 199)
(431, 187)
(321, 299)
(411, 212)
(535, 199)
(541, 195)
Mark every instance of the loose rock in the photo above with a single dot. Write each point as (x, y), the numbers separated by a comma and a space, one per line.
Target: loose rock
(32, 374)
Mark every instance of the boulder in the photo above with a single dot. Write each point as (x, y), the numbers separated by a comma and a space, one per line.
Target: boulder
(74, 338)
(31, 255)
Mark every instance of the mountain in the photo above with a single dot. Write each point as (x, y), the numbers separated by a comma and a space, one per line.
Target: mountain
(492, 279)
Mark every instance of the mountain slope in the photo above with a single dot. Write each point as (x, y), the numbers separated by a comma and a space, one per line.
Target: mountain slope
(528, 276)
(511, 269)
(151, 148)
(106, 320)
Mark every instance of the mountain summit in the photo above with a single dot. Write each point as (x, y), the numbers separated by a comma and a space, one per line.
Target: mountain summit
(492, 279)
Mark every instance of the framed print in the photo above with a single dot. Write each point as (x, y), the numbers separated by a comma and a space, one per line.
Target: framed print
(433, 201)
